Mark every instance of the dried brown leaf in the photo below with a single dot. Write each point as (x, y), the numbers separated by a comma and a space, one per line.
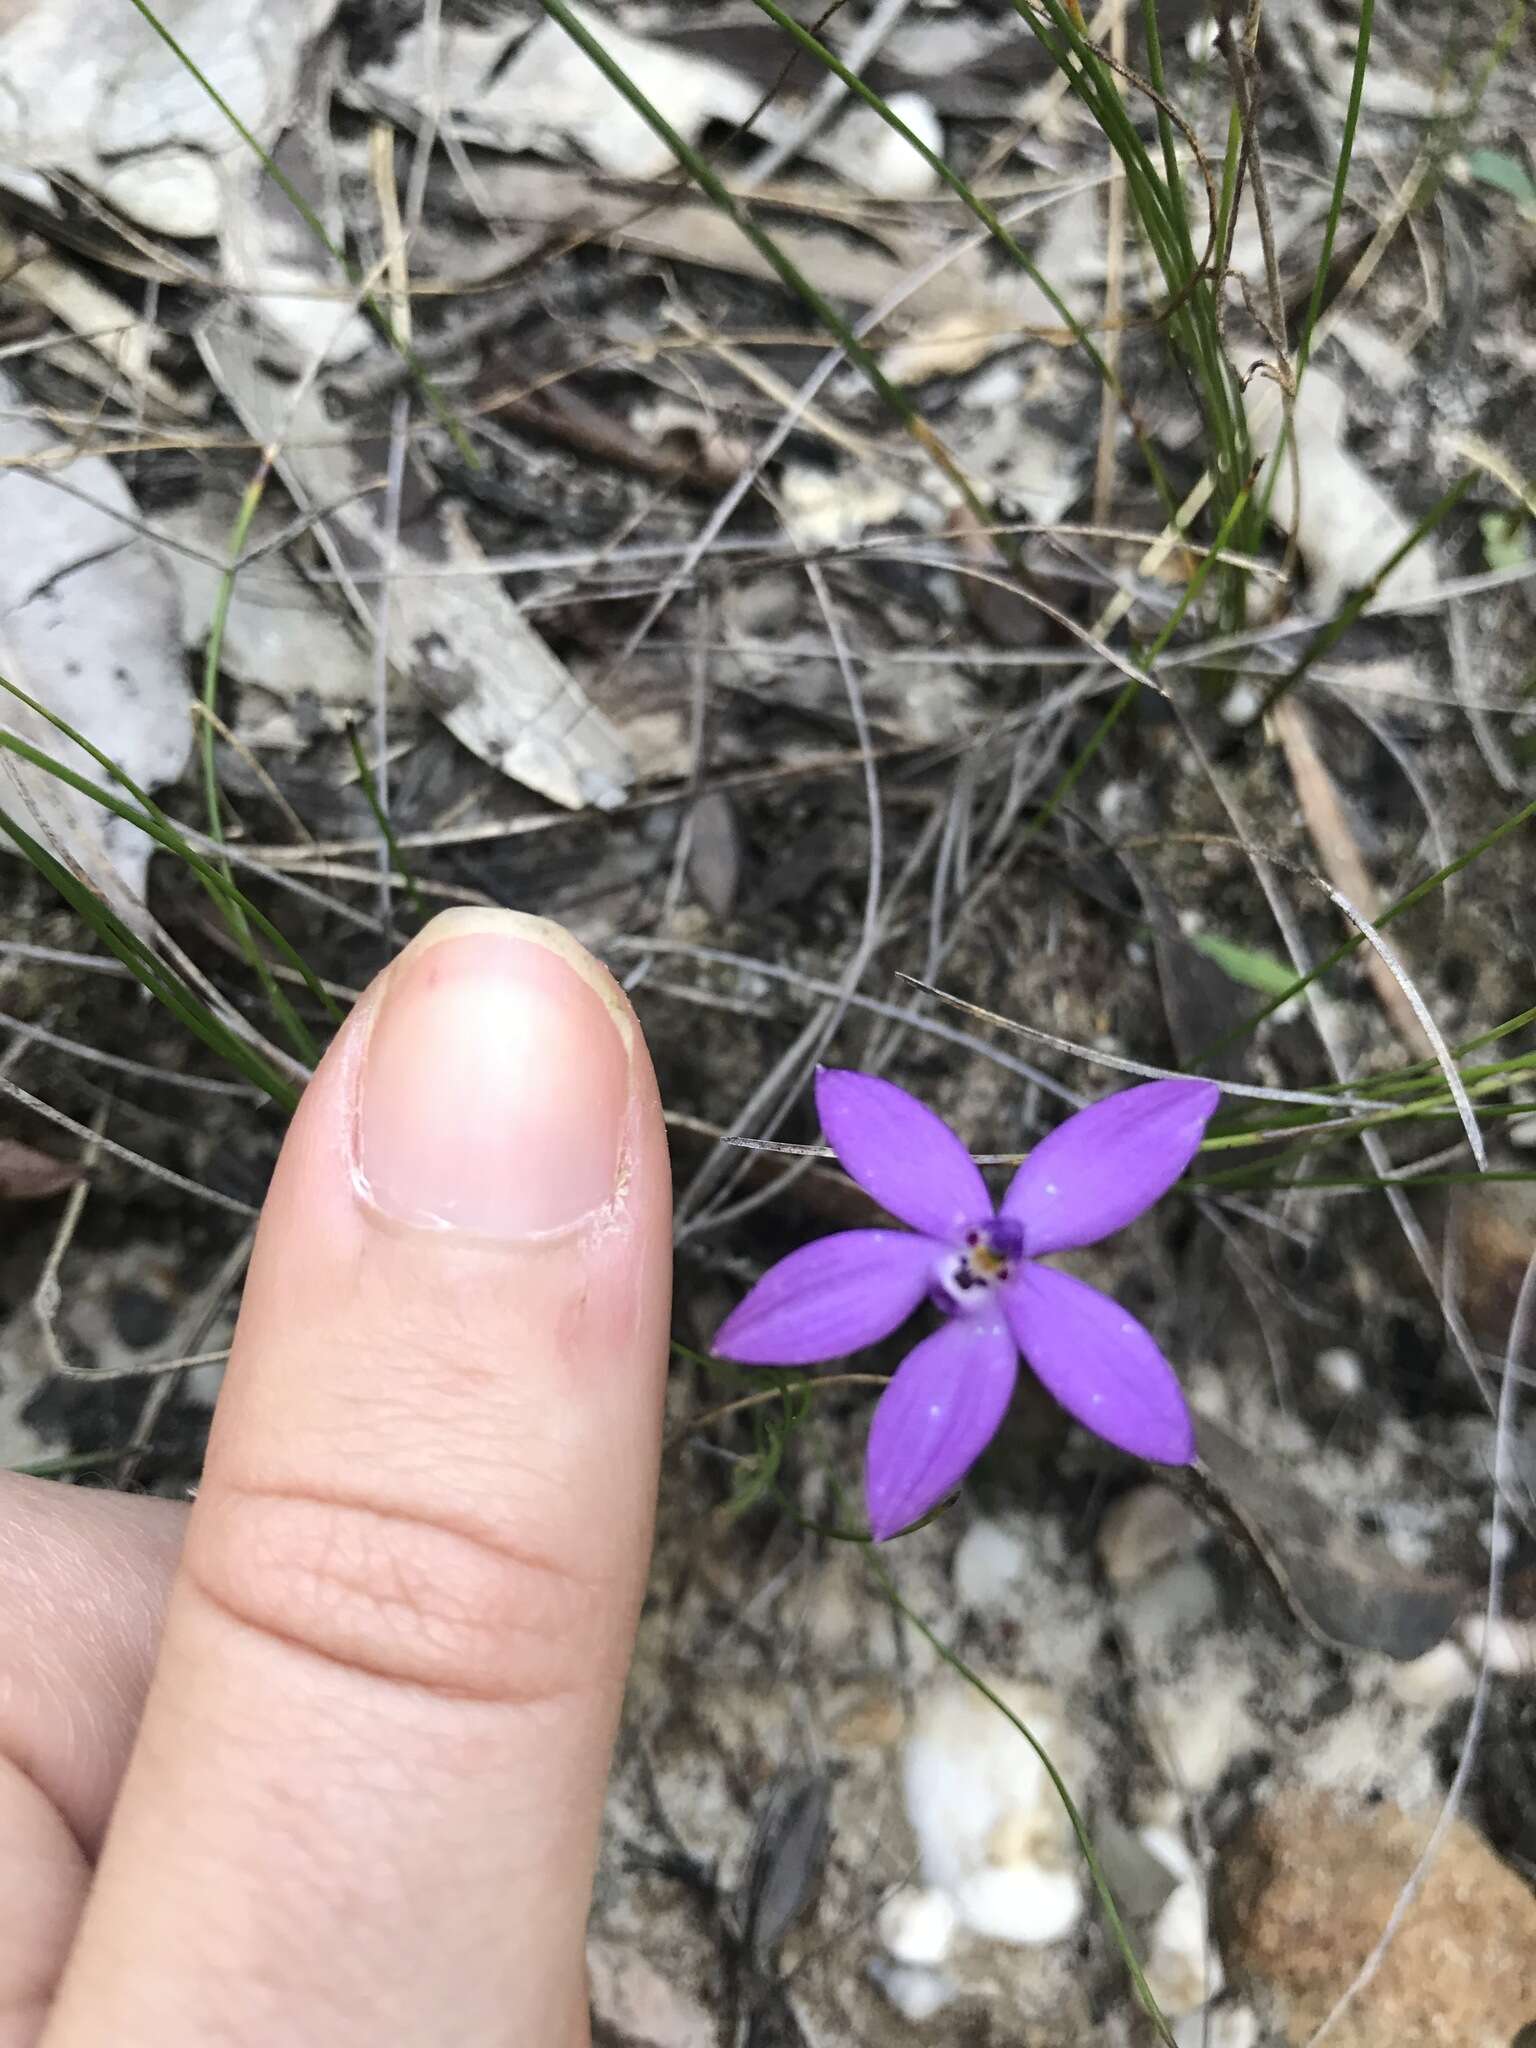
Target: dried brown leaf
(27, 1175)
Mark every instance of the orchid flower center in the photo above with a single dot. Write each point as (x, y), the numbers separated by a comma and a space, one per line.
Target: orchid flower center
(985, 1258)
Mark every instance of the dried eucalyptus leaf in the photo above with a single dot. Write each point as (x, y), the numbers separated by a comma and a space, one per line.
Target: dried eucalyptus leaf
(89, 627)
(784, 1864)
(1345, 1589)
(464, 643)
(30, 1176)
(714, 852)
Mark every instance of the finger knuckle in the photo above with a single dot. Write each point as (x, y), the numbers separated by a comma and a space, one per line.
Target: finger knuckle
(397, 1596)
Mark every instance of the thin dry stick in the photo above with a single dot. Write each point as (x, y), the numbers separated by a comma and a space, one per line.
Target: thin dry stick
(1342, 862)
(1321, 1010)
(817, 1035)
(711, 1415)
(47, 1294)
(206, 1084)
(130, 1158)
(257, 766)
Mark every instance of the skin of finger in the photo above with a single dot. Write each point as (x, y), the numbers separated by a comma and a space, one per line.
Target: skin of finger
(371, 1768)
(43, 1878)
(84, 1577)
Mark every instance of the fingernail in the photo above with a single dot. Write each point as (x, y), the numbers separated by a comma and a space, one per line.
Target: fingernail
(494, 1088)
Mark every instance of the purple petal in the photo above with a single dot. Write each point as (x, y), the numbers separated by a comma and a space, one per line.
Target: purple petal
(1100, 1364)
(1102, 1167)
(901, 1153)
(830, 1298)
(936, 1418)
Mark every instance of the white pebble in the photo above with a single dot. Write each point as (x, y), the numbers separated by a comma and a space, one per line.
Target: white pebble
(1510, 1645)
(1521, 1131)
(989, 1566)
(1229, 2026)
(1183, 1969)
(1241, 704)
(990, 1829)
(869, 153)
(917, 1994)
(1022, 1903)
(1342, 1370)
(1433, 1680)
(1144, 1530)
(1166, 1609)
(918, 1927)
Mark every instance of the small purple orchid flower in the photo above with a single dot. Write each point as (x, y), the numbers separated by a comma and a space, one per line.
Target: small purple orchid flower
(978, 1264)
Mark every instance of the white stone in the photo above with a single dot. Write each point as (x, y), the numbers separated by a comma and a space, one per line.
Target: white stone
(172, 191)
(1169, 1607)
(1433, 1680)
(989, 1568)
(1203, 1721)
(990, 1828)
(917, 1994)
(1171, 1850)
(1144, 1530)
(918, 1927)
(1229, 2026)
(1183, 1969)
(1026, 1904)
(1521, 1131)
(830, 508)
(871, 154)
(1342, 1370)
(1241, 704)
(1509, 1647)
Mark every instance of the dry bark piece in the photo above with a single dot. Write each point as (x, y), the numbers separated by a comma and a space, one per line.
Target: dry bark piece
(1338, 850)
(1346, 1590)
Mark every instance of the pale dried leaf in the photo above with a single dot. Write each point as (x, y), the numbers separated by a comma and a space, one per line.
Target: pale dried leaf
(89, 87)
(89, 626)
(280, 633)
(549, 99)
(1347, 526)
(463, 642)
(714, 852)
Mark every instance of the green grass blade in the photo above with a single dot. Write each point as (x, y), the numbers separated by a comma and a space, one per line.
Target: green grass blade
(167, 987)
(167, 836)
(381, 819)
(1340, 186)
